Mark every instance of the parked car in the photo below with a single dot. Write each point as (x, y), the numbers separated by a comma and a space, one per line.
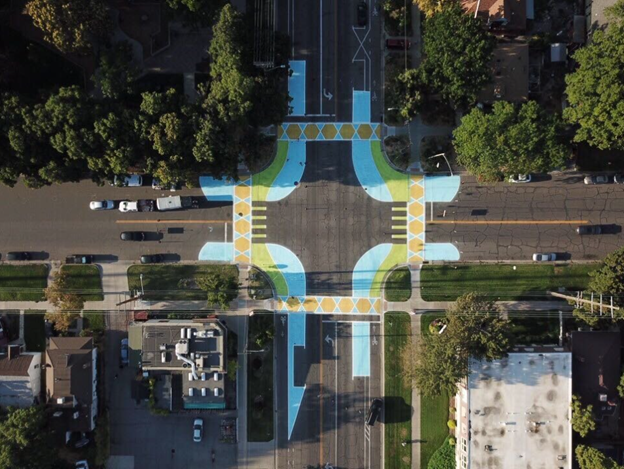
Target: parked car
(123, 356)
(102, 205)
(18, 256)
(589, 230)
(157, 185)
(618, 178)
(133, 236)
(401, 44)
(544, 257)
(362, 14)
(82, 464)
(152, 259)
(373, 412)
(520, 178)
(198, 430)
(597, 179)
(128, 206)
(79, 259)
(134, 180)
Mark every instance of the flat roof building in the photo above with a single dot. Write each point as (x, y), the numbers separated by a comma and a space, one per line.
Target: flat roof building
(515, 413)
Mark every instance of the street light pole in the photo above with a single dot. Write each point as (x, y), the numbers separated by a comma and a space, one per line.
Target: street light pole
(443, 155)
(142, 290)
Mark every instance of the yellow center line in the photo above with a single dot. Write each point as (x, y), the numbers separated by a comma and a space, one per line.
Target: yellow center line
(177, 222)
(508, 222)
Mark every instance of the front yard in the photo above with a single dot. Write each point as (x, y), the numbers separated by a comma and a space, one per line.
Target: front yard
(85, 280)
(23, 282)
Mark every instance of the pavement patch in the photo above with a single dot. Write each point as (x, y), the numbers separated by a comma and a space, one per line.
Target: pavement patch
(360, 342)
(296, 87)
(441, 188)
(361, 106)
(217, 190)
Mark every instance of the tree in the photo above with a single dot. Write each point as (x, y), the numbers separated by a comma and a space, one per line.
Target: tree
(582, 419)
(68, 24)
(411, 90)
(509, 140)
(197, 12)
(117, 73)
(67, 303)
(431, 7)
(595, 89)
(458, 51)
(119, 146)
(474, 329)
(444, 457)
(620, 386)
(221, 286)
(24, 440)
(609, 279)
(591, 458)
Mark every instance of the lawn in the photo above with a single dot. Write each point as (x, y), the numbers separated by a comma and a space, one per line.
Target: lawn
(543, 330)
(172, 282)
(398, 285)
(86, 280)
(260, 377)
(398, 393)
(34, 330)
(94, 320)
(433, 411)
(500, 281)
(23, 282)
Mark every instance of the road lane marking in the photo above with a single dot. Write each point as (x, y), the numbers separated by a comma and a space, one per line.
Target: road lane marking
(259, 208)
(258, 235)
(399, 209)
(399, 218)
(259, 217)
(508, 222)
(399, 236)
(177, 222)
(399, 227)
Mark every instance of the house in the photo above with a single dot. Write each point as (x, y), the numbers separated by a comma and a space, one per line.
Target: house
(71, 383)
(515, 412)
(505, 17)
(510, 74)
(20, 377)
(188, 354)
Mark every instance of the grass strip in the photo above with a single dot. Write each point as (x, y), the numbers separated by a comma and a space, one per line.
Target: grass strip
(501, 281)
(172, 282)
(34, 330)
(398, 285)
(398, 392)
(260, 377)
(86, 280)
(23, 282)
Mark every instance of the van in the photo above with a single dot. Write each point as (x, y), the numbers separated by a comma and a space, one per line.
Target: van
(373, 412)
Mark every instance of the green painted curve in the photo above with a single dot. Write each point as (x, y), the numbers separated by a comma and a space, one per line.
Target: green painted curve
(398, 255)
(263, 260)
(261, 183)
(397, 182)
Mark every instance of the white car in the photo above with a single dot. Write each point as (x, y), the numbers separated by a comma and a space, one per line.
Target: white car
(134, 180)
(128, 206)
(82, 464)
(198, 430)
(102, 205)
(520, 178)
(544, 257)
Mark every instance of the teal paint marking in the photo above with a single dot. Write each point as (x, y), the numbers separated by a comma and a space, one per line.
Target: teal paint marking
(361, 106)
(217, 252)
(291, 268)
(441, 252)
(367, 172)
(366, 268)
(296, 338)
(290, 174)
(441, 188)
(296, 87)
(218, 190)
(361, 349)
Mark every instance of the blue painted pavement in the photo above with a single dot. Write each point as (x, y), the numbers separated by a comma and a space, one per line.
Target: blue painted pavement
(367, 172)
(296, 338)
(441, 252)
(441, 188)
(291, 268)
(290, 175)
(296, 87)
(361, 106)
(366, 268)
(361, 349)
(218, 190)
(222, 252)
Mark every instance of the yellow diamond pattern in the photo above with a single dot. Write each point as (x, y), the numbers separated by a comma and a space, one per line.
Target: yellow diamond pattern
(365, 131)
(347, 131)
(329, 131)
(311, 131)
(293, 132)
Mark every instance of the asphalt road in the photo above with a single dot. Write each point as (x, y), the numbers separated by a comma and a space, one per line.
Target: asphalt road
(56, 221)
(330, 430)
(522, 219)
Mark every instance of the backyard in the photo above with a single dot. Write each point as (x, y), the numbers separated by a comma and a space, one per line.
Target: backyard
(172, 282)
(398, 392)
(85, 280)
(23, 282)
(501, 281)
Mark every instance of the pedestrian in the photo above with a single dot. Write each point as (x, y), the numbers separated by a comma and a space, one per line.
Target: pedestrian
(116, 376)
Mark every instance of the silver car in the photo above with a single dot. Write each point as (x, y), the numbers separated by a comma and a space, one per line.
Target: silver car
(134, 180)
(102, 205)
(544, 257)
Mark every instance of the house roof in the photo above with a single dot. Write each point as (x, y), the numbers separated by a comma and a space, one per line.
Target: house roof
(514, 11)
(15, 366)
(510, 74)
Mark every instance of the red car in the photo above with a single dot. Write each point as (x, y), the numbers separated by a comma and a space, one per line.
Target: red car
(398, 44)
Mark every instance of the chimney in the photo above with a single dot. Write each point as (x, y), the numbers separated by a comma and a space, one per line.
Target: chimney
(14, 351)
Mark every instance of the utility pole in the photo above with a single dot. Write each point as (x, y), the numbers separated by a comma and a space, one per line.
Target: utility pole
(579, 301)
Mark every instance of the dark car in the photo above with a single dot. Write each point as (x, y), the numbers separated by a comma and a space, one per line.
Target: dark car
(133, 236)
(589, 230)
(374, 411)
(597, 179)
(79, 259)
(18, 256)
(618, 178)
(401, 44)
(152, 259)
(362, 14)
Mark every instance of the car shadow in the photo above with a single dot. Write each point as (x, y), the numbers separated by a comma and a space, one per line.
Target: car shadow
(611, 229)
(104, 258)
(153, 236)
(39, 256)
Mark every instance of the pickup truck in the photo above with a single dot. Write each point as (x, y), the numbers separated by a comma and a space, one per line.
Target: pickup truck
(142, 205)
(79, 259)
(175, 203)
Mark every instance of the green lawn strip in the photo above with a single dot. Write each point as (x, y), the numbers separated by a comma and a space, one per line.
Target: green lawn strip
(86, 280)
(398, 285)
(398, 392)
(501, 281)
(262, 182)
(397, 182)
(23, 282)
(397, 255)
(433, 411)
(262, 258)
(94, 321)
(34, 330)
(172, 282)
(260, 379)
(543, 330)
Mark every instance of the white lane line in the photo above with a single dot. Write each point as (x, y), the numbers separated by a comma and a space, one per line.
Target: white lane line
(321, 41)
(225, 236)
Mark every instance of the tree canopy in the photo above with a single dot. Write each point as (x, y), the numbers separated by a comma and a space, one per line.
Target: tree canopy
(431, 7)
(68, 24)
(595, 89)
(591, 458)
(510, 140)
(582, 419)
(609, 279)
(221, 287)
(67, 303)
(116, 74)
